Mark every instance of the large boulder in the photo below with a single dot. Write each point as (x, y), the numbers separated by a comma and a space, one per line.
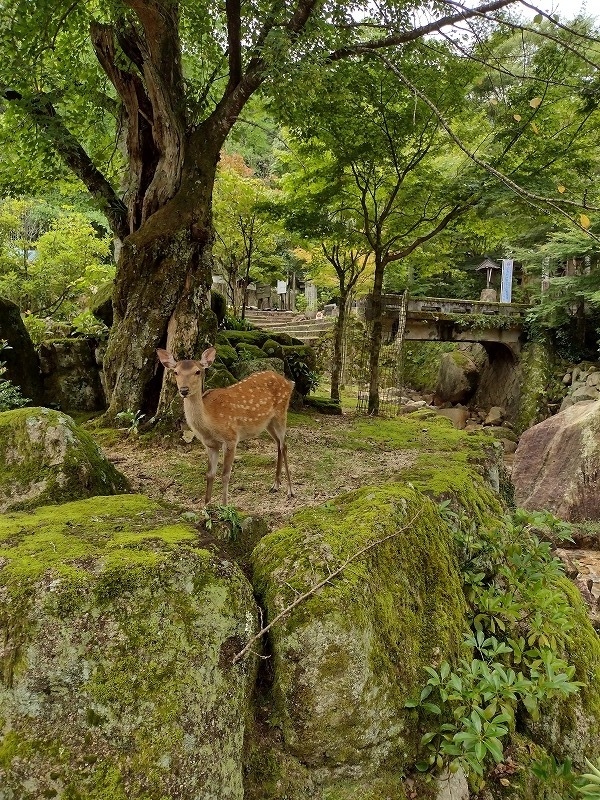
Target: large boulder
(457, 378)
(118, 631)
(557, 464)
(22, 363)
(347, 659)
(72, 375)
(46, 458)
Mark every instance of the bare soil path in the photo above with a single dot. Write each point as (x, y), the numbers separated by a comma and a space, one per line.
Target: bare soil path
(325, 455)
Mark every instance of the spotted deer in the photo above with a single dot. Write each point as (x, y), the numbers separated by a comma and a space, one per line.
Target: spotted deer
(221, 418)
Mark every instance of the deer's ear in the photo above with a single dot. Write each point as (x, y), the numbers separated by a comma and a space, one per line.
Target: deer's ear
(166, 359)
(208, 356)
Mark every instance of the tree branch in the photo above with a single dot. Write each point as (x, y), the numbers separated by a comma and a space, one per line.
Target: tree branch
(234, 42)
(403, 37)
(40, 109)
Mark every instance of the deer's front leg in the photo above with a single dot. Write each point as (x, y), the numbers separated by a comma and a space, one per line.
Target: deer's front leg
(213, 460)
(227, 465)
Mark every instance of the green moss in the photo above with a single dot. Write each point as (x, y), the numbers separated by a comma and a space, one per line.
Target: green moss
(118, 635)
(536, 363)
(219, 379)
(226, 354)
(45, 458)
(249, 351)
(234, 338)
(390, 613)
(273, 349)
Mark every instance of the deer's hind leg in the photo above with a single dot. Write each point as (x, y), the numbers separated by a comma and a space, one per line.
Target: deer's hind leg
(276, 429)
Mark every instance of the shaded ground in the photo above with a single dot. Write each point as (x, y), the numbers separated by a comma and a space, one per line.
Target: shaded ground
(327, 456)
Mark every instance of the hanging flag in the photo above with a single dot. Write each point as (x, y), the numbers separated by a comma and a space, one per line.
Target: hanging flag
(506, 281)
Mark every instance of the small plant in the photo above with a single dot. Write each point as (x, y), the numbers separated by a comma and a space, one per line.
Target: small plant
(10, 395)
(232, 517)
(131, 420)
(520, 625)
(592, 787)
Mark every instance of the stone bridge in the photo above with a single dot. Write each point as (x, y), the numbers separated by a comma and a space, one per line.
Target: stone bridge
(448, 320)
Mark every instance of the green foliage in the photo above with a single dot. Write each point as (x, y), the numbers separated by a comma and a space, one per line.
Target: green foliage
(53, 258)
(520, 625)
(10, 395)
(592, 786)
(130, 420)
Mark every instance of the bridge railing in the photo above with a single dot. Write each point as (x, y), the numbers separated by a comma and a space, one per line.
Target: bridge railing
(451, 306)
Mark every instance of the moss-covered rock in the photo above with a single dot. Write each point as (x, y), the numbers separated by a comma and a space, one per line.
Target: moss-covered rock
(218, 305)
(226, 354)
(347, 659)
(118, 634)
(233, 338)
(45, 458)
(249, 351)
(219, 379)
(421, 363)
(274, 349)
(324, 405)
(22, 363)
(101, 305)
(570, 728)
(72, 375)
(536, 363)
(245, 368)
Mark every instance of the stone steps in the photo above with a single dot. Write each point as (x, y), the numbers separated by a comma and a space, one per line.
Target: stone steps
(307, 330)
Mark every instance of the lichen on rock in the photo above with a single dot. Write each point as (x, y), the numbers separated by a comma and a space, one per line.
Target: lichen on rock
(347, 659)
(118, 635)
(46, 458)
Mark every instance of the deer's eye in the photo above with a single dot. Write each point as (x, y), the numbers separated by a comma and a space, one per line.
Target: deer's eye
(175, 372)
(198, 372)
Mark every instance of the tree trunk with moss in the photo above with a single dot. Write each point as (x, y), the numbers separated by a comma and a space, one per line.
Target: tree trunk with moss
(161, 298)
(338, 345)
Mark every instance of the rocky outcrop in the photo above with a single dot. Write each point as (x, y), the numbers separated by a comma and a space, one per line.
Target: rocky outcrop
(22, 363)
(46, 458)
(118, 634)
(346, 661)
(584, 385)
(72, 375)
(557, 464)
(457, 378)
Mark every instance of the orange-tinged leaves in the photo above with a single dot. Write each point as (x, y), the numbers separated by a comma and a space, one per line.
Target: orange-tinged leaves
(535, 102)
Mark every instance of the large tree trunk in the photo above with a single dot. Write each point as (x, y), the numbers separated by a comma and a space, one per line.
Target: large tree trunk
(161, 298)
(376, 334)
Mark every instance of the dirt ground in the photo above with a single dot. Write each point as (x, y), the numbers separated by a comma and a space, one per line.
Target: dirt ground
(325, 456)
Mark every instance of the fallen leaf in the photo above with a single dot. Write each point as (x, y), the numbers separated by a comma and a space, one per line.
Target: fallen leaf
(584, 221)
(518, 117)
(562, 189)
(535, 103)
(534, 128)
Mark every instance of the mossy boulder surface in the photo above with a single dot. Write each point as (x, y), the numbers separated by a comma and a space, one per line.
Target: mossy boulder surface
(46, 458)
(245, 368)
(118, 634)
(348, 658)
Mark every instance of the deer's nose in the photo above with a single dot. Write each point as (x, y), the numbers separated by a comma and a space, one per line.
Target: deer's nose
(184, 391)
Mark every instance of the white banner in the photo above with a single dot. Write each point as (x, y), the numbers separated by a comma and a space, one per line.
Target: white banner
(506, 282)
(281, 287)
